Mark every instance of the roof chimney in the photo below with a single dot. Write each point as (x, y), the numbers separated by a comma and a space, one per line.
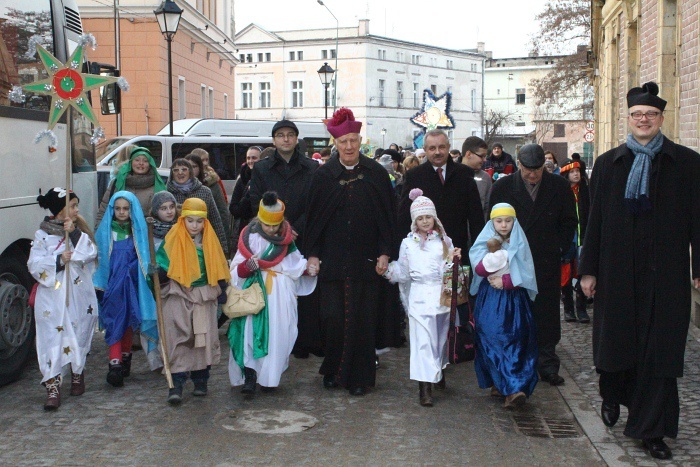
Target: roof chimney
(480, 47)
(363, 28)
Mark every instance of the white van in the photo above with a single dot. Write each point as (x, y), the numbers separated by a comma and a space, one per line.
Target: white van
(226, 154)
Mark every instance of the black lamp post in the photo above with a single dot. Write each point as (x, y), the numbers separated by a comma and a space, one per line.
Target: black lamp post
(168, 15)
(326, 75)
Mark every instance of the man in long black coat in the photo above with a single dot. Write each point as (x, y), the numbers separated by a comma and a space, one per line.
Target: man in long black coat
(546, 211)
(289, 172)
(635, 260)
(350, 235)
(450, 187)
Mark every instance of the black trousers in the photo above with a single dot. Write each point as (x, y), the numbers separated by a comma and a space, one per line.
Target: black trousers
(654, 408)
(349, 311)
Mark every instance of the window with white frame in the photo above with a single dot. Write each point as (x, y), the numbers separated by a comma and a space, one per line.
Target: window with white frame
(260, 56)
(381, 93)
(416, 95)
(181, 98)
(246, 95)
(292, 55)
(297, 94)
(381, 54)
(268, 56)
(520, 96)
(225, 105)
(265, 95)
(300, 55)
(399, 94)
(211, 103)
(324, 54)
(450, 64)
(415, 59)
(473, 95)
(249, 58)
(203, 99)
(332, 53)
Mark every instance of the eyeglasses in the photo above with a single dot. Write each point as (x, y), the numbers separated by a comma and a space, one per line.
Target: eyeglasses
(286, 135)
(482, 155)
(651, 115)
(180, 170)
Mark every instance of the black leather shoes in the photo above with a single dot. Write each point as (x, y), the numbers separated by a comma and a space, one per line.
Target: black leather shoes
(329, 382)
(251, 377)
(610, 412)
(357, 391)
(552, 378)
(657, 448)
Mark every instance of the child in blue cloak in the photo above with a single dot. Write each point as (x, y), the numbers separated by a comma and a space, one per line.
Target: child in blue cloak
(126, 300)
(506, 343)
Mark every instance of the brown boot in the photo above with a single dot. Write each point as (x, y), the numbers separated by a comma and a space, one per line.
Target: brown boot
(426, 394)
(441, 384)
(53, 393)
(515, 400)
(77, 384)
(494, 392)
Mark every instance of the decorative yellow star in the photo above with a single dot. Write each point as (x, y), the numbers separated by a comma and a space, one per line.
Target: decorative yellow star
(59, 328)
(66, 85)
(66, 350)
(435, 112)
(77, 280)
(43, 275)
(47, 313)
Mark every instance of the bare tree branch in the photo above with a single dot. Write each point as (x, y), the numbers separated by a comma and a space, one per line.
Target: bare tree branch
(495, 122)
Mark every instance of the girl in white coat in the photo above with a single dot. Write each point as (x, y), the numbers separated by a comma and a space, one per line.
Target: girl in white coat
(424, 257)
(63, 333)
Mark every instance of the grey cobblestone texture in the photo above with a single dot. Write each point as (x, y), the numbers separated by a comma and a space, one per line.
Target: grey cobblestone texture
(134, 425)
(576, 354)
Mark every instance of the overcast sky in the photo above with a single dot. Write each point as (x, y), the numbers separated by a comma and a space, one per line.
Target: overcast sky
(504, 25)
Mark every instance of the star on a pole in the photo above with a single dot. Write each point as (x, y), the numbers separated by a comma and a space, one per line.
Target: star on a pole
(435, 112)
(66, 85)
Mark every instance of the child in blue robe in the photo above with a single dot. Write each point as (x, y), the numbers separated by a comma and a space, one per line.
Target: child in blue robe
(506, 343)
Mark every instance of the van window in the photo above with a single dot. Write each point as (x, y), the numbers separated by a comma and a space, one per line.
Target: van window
(222, 156)
(155, 147)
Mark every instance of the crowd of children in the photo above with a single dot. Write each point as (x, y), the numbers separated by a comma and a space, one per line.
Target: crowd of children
(109, 278)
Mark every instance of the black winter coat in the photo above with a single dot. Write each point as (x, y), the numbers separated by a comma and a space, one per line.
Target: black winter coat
(291, 180)
(549, 223)
(610, 247)
(457, 202)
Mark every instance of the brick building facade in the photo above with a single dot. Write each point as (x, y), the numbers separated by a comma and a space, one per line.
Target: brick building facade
(635, 41)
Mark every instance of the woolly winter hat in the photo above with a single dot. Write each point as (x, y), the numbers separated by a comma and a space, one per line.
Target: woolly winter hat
(159, 199)
(395, 155)
(342, 123)
(648, 94)
(271, 210)
(55, 199)
(422, 206)
(570, 166)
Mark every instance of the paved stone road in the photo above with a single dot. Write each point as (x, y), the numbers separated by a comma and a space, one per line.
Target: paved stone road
(135, 426)
(577, 356)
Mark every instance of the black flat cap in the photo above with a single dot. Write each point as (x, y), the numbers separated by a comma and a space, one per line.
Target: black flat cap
(284, 124)
(531, 156)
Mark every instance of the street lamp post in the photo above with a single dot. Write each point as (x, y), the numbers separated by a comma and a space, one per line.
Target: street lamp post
(383, 135)
(168, 15)
(326, 74)
(335, 80)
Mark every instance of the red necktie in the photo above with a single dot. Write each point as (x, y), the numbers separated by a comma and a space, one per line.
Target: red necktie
(442, 179)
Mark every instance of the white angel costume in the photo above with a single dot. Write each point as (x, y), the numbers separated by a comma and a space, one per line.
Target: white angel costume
(284, 282)
(63, 334)
(419, 272)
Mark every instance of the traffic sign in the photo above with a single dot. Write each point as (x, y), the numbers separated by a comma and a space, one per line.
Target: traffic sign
(589, 137)
(590, 126)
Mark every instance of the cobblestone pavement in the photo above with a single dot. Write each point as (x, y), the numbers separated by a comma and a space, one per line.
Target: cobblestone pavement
(576, 354)
(300, 423)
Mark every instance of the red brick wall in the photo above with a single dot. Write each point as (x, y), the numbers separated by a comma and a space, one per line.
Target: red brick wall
(688, 76)
(144, 64)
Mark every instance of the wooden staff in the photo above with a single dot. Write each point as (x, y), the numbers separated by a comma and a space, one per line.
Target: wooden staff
(159, 306)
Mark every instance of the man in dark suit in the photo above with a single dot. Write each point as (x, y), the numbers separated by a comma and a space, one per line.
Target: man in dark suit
(448, 185)
(546, 211)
